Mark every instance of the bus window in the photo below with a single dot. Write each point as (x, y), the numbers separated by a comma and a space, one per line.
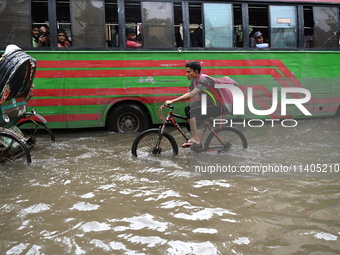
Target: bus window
(218, 25)
(178, 18)
(87, 19)
(258, 21)
(326, 27)
(39, 12)
(14, 20)
(195, 21)
(39, 20)
(157, 24)
(63, 18)
(111, 23)
(308, 27)
(238, 28)
(133, 18)
(283, 27)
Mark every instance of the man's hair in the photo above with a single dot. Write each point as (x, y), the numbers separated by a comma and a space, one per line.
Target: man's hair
(130, 30)
(59, 31)
(194, 65)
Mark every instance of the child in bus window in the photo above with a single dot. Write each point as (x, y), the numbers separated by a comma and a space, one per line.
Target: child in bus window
(131, 40)
(62, 39)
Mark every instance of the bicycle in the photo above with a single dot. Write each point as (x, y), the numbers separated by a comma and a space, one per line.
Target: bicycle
(156, 141)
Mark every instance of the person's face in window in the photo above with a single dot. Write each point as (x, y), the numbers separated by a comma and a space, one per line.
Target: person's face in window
(35, 32)
(61, 37)
(259, 39)
(131, 37)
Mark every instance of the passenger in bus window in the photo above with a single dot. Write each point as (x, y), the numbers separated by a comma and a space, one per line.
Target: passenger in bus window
(308, 41)
(39, 38)
(257, 41)
(131, 38)
(196, 38)
(44, 36)
(62, 39)
(35, 36)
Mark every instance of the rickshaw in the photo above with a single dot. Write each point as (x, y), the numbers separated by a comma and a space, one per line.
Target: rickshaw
(17, 126)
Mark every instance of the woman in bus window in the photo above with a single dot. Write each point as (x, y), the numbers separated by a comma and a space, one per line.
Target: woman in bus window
(44, 40)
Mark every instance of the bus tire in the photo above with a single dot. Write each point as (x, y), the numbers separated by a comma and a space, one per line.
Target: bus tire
(127, 118)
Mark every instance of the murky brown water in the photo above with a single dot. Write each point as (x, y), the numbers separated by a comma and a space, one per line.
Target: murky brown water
(86, 194)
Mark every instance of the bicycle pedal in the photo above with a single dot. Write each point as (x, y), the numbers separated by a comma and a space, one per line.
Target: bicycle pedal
(197, 148)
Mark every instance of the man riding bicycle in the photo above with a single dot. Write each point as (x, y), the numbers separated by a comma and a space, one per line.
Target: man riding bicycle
(199, 84)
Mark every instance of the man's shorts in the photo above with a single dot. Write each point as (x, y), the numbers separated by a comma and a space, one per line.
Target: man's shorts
(195, 110)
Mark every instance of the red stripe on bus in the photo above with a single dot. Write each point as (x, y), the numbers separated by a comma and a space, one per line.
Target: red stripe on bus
(73, 117)
(151, 72)
(34, 102)
(140, 91)
(149, 63)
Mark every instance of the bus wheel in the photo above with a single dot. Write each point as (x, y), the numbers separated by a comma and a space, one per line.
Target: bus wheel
(127, 117)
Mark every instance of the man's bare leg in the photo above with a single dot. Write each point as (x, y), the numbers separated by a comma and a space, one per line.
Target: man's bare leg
(193, 131)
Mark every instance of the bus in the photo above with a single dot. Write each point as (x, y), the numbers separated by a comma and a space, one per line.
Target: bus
(100, 82)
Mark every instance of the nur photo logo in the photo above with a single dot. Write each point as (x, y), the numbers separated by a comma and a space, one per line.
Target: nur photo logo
(238, 104)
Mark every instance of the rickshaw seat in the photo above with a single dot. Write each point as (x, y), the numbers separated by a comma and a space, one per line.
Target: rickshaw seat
(17, 70)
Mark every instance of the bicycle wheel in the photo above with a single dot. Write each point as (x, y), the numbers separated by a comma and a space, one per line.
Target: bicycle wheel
(145, 143)
(12, 148)
(31, 128)
(226, 139)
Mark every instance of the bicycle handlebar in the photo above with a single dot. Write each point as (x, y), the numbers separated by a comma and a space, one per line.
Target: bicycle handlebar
(160, 114)
(169, 106)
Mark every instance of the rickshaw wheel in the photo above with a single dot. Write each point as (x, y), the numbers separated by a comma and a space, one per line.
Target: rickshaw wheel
(12, 148)
(35, 128)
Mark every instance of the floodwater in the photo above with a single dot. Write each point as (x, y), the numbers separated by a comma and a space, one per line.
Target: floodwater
(86, 194)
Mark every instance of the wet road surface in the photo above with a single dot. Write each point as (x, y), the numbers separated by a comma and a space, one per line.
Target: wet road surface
(86, 194)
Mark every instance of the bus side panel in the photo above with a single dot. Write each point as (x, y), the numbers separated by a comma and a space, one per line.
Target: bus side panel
(77, 88)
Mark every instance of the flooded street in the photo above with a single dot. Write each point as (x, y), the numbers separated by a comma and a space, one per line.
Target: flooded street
(86, 194)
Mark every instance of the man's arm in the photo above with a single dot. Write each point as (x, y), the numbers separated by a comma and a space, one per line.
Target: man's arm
(184, 97)
(133, 44)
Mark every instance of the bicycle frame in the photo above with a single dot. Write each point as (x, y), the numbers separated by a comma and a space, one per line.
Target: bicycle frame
(170, 118)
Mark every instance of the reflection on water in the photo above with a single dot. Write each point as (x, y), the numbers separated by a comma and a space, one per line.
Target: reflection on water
(86, 194)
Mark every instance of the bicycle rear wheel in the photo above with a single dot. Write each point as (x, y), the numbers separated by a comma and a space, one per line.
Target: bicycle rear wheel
(145, 145)
(227, 139)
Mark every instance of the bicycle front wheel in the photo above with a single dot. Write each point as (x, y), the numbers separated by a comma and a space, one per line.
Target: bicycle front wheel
(145, 144)
(227, 139)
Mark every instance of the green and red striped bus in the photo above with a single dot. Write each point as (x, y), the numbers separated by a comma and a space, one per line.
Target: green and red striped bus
(98, 81)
